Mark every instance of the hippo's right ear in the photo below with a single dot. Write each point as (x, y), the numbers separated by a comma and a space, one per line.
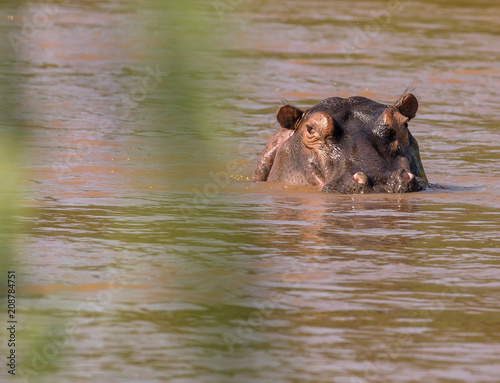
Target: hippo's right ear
(288, 115)
(407, 105)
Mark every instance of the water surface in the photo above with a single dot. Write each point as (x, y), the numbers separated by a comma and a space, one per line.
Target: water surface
(143, 236)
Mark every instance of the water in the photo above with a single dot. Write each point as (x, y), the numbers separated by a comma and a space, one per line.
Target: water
(145, 254)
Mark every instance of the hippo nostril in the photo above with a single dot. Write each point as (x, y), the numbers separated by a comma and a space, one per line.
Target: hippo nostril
(360, 178)
(408, 176)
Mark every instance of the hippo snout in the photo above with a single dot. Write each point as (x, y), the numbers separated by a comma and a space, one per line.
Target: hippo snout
(358, 183)
(400, 181)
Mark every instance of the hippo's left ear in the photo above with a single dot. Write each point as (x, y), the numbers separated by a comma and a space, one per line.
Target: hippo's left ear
(288, 115)
(407, 105)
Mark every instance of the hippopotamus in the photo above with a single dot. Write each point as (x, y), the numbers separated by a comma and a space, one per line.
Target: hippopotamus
(346, 145)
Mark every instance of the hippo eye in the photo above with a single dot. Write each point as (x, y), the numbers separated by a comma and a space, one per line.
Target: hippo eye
(391, 134)
(309, 129)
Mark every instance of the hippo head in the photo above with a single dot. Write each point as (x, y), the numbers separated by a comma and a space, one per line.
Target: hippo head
(357, 145)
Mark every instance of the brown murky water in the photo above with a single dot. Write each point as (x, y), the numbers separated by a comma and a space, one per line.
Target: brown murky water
(148, 256)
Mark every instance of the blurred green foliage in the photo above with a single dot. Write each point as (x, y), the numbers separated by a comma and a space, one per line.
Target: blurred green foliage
(10, 143)
(187, 46)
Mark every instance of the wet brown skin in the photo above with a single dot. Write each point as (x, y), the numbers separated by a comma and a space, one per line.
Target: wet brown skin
(351, 145)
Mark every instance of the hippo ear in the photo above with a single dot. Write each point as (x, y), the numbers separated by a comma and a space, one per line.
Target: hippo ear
(288, 115)
(407, 105)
